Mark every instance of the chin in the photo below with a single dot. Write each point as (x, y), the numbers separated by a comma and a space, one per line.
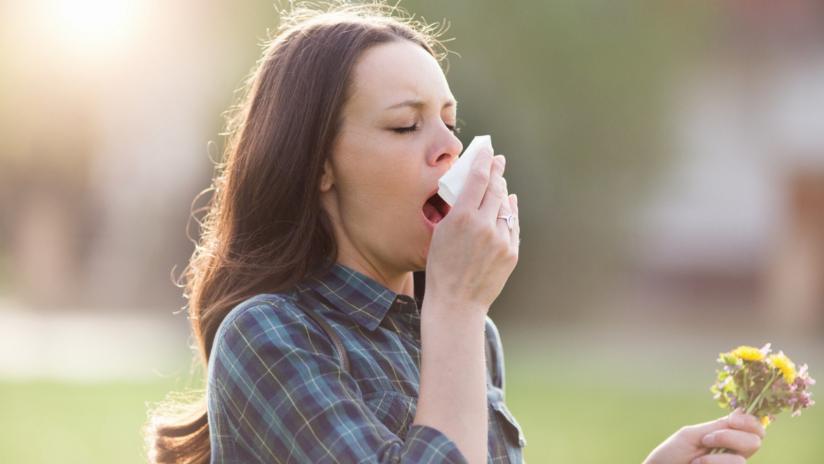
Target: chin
(419, 263)
(422, 265)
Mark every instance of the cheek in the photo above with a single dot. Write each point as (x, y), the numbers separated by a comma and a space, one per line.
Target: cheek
(379, 184)
(363, 157)
(376, 190)
(386, 172)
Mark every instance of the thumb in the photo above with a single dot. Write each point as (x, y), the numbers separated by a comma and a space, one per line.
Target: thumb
(699, 430)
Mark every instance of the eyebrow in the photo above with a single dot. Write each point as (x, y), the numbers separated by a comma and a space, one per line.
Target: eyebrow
(418, 103)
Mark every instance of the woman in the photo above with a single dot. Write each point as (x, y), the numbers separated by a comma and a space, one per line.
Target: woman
(306, 291)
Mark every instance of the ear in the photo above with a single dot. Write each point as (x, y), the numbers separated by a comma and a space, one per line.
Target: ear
(327, 179)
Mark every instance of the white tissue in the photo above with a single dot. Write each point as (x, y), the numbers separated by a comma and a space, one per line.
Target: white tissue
(452, 183)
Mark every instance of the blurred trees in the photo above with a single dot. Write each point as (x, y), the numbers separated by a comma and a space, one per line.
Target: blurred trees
(570, 91)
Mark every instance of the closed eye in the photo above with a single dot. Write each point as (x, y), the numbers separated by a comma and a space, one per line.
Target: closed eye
(405, 130)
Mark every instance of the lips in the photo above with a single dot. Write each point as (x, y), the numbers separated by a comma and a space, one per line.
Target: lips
(435, 208)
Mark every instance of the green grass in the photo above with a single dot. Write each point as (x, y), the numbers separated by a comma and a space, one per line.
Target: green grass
(568, 417)
(45, 422)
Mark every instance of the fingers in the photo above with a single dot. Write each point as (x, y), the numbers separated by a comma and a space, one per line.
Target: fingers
(694, 433)
(747, 423)
(476, 183)
(500, 223)
(736, 420)
(740, 433)
(516, 229)
(719, 459)
(505, 209)
(495, 191)
(743, 443)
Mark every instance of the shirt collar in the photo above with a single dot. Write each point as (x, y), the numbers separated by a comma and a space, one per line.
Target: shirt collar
(360, 297)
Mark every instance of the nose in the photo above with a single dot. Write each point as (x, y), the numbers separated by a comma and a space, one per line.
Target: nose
(447, 149)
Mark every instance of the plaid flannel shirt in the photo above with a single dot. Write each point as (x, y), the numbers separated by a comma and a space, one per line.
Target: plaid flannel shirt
(277, 392)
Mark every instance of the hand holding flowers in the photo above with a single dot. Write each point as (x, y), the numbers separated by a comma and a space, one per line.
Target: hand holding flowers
(756, 385)
(741, 433)
(761, 383)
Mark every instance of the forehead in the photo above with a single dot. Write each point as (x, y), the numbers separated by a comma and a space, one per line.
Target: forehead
(391, 72)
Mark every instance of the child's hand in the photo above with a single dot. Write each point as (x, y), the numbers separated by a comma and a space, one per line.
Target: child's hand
(740, 433)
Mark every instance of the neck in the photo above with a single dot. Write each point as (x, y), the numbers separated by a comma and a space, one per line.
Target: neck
(401, 282)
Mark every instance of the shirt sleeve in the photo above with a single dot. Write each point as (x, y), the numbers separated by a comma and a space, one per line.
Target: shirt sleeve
(495, 355)
(278, 384)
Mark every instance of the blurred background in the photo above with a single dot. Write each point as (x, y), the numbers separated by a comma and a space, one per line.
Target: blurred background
(668, 158)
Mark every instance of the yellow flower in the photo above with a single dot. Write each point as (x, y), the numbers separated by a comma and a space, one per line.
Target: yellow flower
(781, 362)
(748, 353)
(765, 421)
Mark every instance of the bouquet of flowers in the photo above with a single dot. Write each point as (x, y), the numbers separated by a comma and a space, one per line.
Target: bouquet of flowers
(761, 383)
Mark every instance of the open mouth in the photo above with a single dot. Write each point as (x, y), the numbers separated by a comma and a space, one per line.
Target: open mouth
(435, 208)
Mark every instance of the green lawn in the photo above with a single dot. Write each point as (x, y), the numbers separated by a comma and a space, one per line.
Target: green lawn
(569, 416)
(43, 422)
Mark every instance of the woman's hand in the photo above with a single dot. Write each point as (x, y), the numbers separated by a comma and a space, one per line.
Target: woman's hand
(739, 433)
(472, 252)
(471, 255)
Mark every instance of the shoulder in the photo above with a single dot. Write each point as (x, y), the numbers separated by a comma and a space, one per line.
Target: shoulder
(270, 337)
(260, 313)
(270, 323)
(263, 306)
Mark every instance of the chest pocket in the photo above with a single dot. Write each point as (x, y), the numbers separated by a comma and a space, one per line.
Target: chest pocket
(395, 410)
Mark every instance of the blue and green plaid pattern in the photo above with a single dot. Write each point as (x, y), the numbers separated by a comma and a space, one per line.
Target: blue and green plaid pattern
(277, 393)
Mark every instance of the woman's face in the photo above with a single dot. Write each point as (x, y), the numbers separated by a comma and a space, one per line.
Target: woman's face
(395, 142)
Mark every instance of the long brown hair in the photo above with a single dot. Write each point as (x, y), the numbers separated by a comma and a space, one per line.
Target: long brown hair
(264, 229)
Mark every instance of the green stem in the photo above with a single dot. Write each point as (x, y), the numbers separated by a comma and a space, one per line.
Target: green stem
(760, 396)
(751, 407)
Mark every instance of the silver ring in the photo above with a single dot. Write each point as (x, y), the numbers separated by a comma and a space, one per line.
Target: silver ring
(510, 220)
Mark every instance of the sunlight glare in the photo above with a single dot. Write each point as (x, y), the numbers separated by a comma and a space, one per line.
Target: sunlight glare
(92, 25)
